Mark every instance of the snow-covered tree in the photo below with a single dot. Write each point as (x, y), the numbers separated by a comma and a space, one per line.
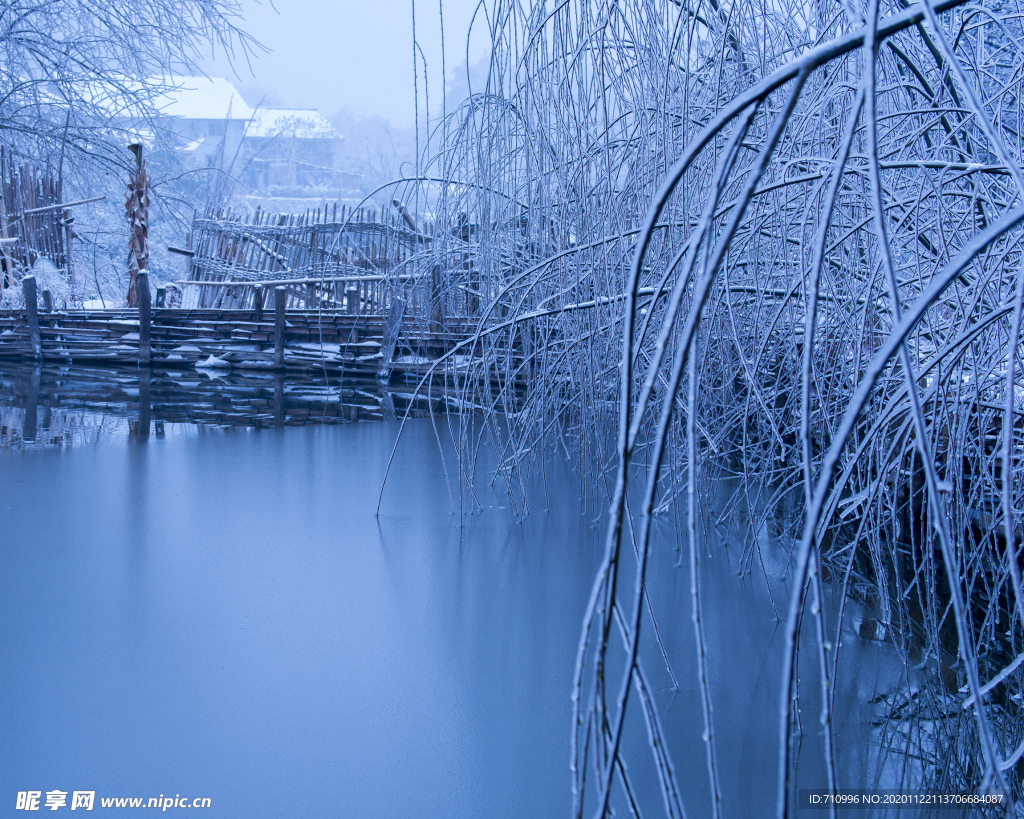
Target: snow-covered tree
(74, 72)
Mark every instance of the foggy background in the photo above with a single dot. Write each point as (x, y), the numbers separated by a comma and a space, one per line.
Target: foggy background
(354, 60)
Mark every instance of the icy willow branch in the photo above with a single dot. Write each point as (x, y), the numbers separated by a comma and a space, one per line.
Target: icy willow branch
(645, 200)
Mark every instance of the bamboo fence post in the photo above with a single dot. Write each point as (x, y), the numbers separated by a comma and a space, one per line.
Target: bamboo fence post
(69, 234)
(279, 299)
(137, 211)
(28, 287)
(145, 317)
(257, 303)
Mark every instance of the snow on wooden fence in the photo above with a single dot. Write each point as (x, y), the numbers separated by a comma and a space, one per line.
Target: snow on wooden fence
(335, 257)
(33, 221)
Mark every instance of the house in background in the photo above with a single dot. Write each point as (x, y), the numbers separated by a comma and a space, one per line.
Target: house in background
(290, 148)
(210, 125)
(204, 118)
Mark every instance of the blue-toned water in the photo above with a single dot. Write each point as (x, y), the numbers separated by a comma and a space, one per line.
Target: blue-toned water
(222, 615)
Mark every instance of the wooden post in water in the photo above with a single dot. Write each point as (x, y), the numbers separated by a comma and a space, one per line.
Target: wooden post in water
(392, 329)
(145, 316)
(28, 288)
(257, 303)
(257, 314)
(436, 302)
(279, 300)
(387, 405)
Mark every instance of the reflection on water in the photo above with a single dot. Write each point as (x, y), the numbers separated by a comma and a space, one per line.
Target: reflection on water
(224, 616)
(58, 406)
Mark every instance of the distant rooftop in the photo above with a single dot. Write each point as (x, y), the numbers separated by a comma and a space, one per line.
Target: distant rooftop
(215, 98)
(203, 98)
(290, 122)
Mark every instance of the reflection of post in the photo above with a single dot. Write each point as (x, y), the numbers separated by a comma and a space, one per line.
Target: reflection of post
(28, 429)
(28, 287)
(257, 394)
(145, 317)
(279, 299)
(145, 408)
(279, 401)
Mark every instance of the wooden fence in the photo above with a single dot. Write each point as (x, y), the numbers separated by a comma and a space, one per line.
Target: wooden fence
(334, 258)
(332, 289)
(33, 221)
(278, 340)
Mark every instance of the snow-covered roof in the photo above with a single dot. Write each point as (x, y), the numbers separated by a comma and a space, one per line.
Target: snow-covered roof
(198, 145)
(290, 122)
(203, 98)
(215, 98)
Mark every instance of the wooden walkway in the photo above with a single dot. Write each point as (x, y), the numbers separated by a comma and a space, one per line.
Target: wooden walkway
(285, 340)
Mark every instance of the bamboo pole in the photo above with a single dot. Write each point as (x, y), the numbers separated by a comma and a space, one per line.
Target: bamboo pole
(257, 303)
(280, 296)
(145, 317)
(28, 287)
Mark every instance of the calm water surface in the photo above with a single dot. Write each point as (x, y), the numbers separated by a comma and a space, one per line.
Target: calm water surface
(222, 615)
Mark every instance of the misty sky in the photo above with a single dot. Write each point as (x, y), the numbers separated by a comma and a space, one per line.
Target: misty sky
(352, 53)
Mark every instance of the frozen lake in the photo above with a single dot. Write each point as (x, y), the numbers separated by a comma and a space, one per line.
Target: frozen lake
(221, 615)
